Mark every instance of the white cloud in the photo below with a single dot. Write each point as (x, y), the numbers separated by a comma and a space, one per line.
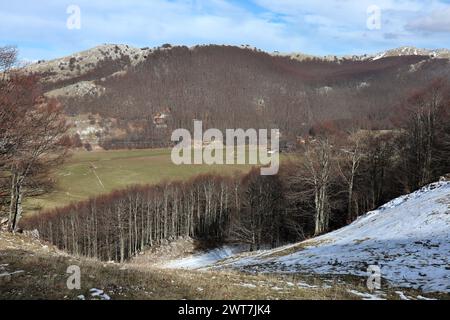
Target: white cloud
(318, 27)
(343, 22)
(436, 21)
(140, 23)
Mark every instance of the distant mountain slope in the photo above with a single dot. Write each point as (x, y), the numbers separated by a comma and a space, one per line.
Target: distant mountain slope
(409, 238)
(81, 63)
(396, 52)
(90, 63)
(412, 51)
(228, 87)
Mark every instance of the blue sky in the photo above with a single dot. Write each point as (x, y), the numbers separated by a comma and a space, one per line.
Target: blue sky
(39, 28)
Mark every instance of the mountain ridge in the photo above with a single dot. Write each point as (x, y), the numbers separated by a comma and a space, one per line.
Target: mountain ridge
(227, 87)
(141, 53)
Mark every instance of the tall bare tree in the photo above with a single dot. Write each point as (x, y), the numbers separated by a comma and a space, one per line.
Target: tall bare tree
(426, 114)
(348, 165)
(311, 185)
(33, 134)
(45, 129)
(8, 58)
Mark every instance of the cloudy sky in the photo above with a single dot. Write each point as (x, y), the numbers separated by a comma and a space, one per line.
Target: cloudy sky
(321, 27)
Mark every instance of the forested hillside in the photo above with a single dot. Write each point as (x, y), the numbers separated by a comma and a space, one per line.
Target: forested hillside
(141, 95)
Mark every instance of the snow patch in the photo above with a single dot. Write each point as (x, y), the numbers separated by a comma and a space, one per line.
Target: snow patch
(100, 294)
(378, 295)
(402, 296)
(204, 259)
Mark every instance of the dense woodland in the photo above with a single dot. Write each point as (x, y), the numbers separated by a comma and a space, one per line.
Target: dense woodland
(231, 87)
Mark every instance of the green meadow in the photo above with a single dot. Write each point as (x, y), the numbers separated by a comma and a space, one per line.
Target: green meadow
(88, 174)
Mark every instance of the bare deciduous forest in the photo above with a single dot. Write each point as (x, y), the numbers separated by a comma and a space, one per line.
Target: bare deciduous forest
(328, 185)
(231, 87)
(33, 138)
(358, 148)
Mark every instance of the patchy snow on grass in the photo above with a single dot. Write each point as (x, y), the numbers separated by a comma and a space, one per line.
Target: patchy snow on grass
(402, 296)
(306, 285)
(99, 294)
(248, 285)
(424, 298)
(204, 259)
(408, 238)
(368, 296)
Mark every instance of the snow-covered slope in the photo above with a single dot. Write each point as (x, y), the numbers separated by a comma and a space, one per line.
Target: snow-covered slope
(396, 52)
(412, 51)
(408, 238)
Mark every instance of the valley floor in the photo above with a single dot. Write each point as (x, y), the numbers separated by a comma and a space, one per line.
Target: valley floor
(30, 269)
(89, 174)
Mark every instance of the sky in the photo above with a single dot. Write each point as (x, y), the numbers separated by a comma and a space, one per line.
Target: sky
(47, 29)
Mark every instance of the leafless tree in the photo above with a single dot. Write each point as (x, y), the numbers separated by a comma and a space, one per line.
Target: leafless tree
(348, 164)
(44, 129)
(32, 133)
(8, 58)
(426, 114)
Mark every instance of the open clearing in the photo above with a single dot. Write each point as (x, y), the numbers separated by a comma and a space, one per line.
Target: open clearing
(88, 174)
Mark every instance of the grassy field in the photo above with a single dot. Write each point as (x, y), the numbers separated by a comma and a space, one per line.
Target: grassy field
(88, 174)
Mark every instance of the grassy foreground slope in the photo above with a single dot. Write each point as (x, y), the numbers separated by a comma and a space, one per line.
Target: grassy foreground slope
(31, 269)
(88, 174)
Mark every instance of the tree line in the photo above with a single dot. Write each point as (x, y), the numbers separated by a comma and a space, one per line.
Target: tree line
(230, 87)
(119, 225)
